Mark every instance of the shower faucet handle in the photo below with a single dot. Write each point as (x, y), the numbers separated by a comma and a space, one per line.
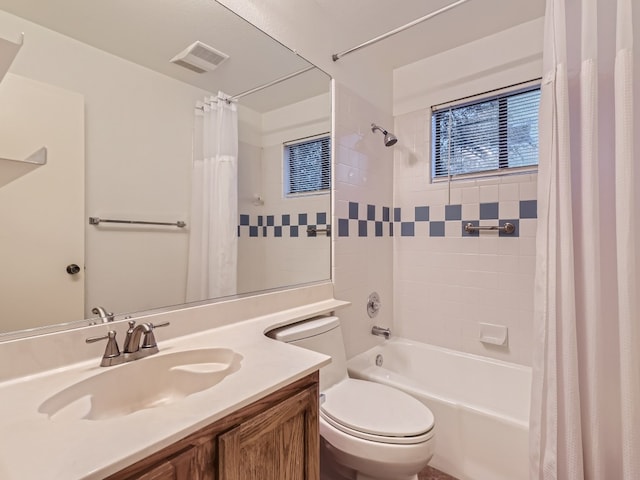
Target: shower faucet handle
(373, 304)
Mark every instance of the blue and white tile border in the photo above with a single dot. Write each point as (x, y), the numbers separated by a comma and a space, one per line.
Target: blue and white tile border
(280, 225)
(366, 220)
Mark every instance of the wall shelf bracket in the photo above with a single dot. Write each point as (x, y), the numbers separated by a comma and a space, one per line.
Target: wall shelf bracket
(13, 169)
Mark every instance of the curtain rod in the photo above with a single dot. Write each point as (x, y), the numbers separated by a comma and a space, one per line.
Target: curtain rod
(337, 56)
(274, 82)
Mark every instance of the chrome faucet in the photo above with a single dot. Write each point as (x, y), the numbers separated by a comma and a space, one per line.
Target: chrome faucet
(132, 345)
(103, 314)
(132, 338)
(383, 332)
(132, 349)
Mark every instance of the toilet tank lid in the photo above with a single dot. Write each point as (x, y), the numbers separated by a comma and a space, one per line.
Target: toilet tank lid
(304, 329)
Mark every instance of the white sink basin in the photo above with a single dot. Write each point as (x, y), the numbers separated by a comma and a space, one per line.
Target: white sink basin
(149, 382)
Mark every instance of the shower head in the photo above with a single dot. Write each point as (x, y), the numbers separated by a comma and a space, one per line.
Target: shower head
(389, 138)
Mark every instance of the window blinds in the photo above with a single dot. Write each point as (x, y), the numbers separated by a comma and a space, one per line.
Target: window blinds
(307, 165)
(486, 135)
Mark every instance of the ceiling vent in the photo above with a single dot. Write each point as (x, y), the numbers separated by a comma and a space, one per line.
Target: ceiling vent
(200, 58)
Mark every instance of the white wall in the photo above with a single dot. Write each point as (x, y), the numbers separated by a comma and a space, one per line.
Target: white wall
(445, 286)
(363, 260)
(251, 263)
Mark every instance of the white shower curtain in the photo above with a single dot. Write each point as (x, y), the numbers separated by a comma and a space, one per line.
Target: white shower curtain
(585, 409)
(213, 240)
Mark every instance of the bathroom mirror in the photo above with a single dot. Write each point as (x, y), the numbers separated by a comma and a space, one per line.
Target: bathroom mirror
(94, 83)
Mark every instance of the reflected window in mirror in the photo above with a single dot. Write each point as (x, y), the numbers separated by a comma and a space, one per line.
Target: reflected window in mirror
(307, 165)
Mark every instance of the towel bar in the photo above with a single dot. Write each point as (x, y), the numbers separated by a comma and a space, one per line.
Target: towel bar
(506, 228)
(98, 220)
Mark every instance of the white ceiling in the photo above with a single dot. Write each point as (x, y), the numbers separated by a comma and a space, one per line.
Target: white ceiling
(151, 32)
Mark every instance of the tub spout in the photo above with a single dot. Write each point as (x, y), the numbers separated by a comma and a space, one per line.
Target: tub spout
(383, 332)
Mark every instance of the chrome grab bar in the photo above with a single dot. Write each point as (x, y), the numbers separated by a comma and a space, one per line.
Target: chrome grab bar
(506, 228)
(312, 230)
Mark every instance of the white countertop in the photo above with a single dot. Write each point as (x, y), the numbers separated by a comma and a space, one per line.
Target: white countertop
(35, 446)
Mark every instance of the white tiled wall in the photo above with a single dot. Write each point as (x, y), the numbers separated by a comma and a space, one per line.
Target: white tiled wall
(444, 286)
(290, 259)
(363, 176)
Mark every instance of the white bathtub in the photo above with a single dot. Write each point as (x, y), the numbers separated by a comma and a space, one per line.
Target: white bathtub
(481, 406)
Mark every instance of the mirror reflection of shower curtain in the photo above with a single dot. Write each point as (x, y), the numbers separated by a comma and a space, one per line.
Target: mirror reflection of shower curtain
(213, 240)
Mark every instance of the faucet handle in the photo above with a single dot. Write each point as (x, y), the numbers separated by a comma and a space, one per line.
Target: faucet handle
(149, 340)
(127, 339)
(111, 354)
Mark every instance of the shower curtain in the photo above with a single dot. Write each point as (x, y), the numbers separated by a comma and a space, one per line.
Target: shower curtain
(585, 409)
(213, 240)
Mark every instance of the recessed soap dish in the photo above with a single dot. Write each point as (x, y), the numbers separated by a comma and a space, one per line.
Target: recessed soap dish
(494, 334)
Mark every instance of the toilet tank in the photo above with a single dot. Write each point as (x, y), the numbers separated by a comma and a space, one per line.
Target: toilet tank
(323, 335)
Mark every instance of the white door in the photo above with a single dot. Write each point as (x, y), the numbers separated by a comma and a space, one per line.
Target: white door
(41, 212)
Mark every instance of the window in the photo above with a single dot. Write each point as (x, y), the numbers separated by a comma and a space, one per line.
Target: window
(489, 135)
(307, 166)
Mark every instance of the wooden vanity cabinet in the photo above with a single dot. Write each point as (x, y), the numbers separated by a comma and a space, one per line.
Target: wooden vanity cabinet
(275, 438)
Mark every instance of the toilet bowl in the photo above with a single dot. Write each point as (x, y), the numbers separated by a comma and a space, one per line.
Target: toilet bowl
(369, 431)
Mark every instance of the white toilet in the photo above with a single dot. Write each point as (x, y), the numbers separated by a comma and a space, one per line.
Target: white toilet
(369, 431)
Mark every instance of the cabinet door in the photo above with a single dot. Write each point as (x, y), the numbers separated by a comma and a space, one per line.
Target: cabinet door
(174, 468)
(194, 463)
(282, 443)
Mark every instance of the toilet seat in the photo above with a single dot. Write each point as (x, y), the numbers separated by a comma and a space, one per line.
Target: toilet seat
(363, 409)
